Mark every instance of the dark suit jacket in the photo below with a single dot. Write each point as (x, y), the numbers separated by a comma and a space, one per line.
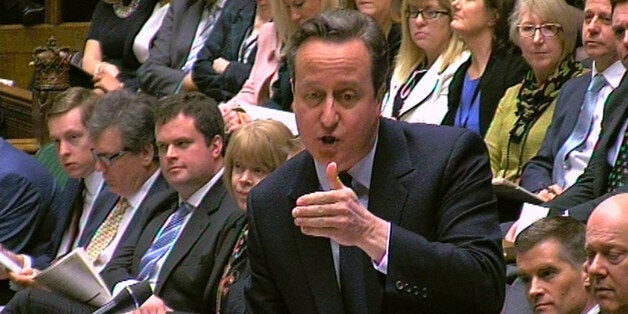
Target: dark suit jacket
(100, 213)
(185, 273)
(28, 194)
(591, 187)
(434, 185)
(224, 42)
(537, 174)
(504, 69)
(161, 74)
(63, 217)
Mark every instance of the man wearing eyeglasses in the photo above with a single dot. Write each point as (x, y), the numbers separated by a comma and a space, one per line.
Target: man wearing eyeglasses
(577, 121)
(121, 133)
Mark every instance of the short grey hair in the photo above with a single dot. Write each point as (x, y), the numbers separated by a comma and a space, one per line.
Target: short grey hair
(132, 114)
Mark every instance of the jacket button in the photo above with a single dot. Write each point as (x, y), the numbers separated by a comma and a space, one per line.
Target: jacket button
(399, 285)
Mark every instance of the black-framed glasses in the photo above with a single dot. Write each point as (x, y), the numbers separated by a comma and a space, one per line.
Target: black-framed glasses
(547, 29)
(108, 159)
(426, 14)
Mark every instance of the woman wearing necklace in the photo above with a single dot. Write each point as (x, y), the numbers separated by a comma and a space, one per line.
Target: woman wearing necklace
(108, 53)
(480, 83)
(428, 57)
(546, 32)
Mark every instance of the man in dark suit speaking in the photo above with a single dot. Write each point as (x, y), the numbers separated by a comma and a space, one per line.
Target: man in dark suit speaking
(416, 231)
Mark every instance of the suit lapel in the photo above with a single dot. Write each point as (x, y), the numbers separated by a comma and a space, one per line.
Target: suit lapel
(187, 32)
(193, 230)
(104, 203)
(315, 252)
(388, 195)
(423, 89)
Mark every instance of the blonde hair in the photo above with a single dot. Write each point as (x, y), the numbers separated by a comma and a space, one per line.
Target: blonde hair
(395, 8)
(263, 143)
(550, 11)
(410, 56)
(284, 26)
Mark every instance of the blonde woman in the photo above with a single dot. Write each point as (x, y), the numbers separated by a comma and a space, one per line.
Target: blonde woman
(254, 151)
(428, 57)
(546, 32)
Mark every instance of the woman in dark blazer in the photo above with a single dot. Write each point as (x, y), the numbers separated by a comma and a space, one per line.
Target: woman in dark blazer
(495, 65)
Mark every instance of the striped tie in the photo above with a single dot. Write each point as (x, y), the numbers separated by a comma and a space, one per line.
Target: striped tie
(163, 242)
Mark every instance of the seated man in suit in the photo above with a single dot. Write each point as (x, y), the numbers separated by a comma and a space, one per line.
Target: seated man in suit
(176, 46)
(604, 176)
(550, 254)
(28, 193)
(606, 247)
(120, 131)
(175, 251)
(413, 225)
(577, 120)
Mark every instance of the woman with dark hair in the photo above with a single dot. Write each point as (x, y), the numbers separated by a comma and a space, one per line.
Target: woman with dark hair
(494, 66)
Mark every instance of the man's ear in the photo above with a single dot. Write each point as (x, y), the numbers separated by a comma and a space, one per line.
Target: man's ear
(216, 145)
(148, 154)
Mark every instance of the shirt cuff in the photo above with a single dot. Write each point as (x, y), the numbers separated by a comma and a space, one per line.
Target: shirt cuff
(121, 285)
(382, 266)
(28, 261)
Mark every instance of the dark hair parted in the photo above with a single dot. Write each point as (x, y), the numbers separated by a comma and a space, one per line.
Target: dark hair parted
(569, 232)
(132, 114)
(201, 108)
(344, 25)
(71, 98)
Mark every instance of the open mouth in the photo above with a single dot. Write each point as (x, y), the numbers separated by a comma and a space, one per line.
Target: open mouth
(328, 139)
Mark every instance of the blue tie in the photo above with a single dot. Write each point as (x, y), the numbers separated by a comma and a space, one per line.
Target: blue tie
(581, 130)
(163, 242)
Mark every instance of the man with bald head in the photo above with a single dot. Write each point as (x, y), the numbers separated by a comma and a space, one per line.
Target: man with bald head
(607, 251)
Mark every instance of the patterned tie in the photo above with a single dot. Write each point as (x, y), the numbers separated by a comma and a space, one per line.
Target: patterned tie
(618, 173)
(164, 240)
(352, 262)
(107, 230)
(581, 130)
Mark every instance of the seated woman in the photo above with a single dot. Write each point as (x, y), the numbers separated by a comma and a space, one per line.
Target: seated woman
(254, 151)
(387, 15)
(546, 34)
(258, 88)
(226, 60)
(429, 56)
(494, 66)
(108, 53)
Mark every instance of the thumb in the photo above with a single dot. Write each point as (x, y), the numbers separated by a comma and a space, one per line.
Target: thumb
(332, 176)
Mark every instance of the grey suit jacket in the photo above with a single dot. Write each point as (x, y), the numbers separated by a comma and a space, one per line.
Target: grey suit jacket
(161, 74)
(537, 174)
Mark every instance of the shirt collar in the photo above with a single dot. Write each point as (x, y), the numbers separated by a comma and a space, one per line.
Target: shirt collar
(613, 74)
(196, 197)
(360, 172)
(93, 183)
(136, 198)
